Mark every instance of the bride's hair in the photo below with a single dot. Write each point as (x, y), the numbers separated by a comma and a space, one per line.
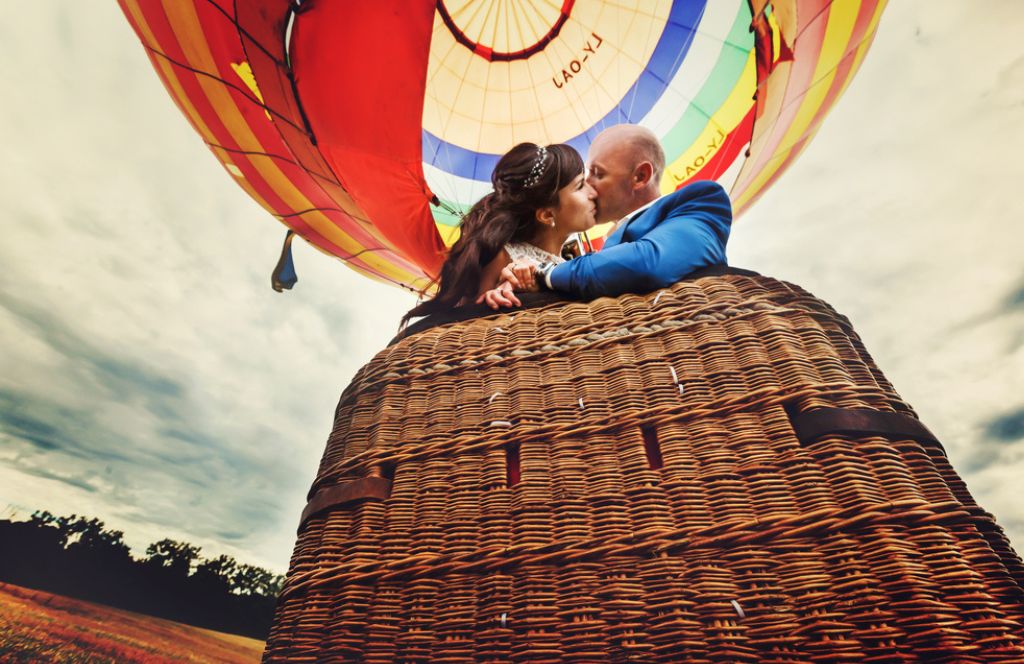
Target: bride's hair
(526, 179)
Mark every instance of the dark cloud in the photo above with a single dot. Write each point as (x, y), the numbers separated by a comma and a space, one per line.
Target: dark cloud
(1009, 304)
(1007, 428)
(41, 434)
(997, 433)
(1015, 300)
(51, 427)
(232, 535)
(124, 378)
(79, 482)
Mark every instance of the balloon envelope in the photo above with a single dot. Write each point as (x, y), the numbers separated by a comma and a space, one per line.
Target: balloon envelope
(369, 126)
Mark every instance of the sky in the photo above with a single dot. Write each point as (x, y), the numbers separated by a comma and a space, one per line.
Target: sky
(150, 377)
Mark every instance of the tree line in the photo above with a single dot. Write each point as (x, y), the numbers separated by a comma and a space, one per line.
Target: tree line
(79, 557)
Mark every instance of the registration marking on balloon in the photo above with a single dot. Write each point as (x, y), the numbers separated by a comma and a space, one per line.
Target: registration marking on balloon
(707, 150)
(715, 133)
(576, 66)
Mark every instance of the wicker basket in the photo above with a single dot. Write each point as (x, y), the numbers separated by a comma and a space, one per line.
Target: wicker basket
(716, 472)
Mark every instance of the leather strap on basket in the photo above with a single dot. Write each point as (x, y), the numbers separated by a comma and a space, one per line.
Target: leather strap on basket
(345, 493)
(814, 424)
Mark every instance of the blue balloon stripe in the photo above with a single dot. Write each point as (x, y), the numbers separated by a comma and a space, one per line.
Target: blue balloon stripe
(668, 56)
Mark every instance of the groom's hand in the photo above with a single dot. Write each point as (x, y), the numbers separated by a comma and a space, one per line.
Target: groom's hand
(502, 296)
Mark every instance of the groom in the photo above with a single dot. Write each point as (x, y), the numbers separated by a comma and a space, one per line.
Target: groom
(657, 241)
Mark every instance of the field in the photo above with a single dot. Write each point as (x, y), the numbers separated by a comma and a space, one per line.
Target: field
(39, 627)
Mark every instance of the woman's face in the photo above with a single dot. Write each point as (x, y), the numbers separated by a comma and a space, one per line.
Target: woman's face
(576, 209)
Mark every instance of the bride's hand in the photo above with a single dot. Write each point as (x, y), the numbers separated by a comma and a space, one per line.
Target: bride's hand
(502, 296)
(521, 275)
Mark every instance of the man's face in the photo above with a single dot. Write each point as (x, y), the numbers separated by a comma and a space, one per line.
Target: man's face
(610, 173)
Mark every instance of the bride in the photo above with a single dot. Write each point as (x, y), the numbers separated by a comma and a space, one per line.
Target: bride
(540, 197)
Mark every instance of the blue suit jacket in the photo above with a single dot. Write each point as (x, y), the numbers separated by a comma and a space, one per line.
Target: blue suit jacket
(679, 233)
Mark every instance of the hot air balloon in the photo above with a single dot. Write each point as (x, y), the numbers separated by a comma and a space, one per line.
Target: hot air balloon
(368, 128)
(715, 472)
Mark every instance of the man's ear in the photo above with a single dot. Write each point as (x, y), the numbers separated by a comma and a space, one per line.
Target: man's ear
(546, 216)
(642, 174)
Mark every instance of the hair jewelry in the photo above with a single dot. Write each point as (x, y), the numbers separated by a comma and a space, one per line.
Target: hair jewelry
(538, 167)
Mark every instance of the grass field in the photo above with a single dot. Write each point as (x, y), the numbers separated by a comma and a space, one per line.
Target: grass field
(39, 627)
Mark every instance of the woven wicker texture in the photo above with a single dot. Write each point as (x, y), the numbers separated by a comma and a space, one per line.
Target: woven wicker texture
(621, 480)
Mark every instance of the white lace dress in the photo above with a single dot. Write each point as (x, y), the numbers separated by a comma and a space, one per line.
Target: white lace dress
(518, 251)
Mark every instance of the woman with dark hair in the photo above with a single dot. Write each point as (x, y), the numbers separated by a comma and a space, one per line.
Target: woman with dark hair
(540, 197)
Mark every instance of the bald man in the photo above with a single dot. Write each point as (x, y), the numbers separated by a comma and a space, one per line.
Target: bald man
(657, 241)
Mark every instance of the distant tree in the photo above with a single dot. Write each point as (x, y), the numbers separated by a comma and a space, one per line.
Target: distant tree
(78, 556)
(172, 555)
(276, 584)
(67, 525)
(30, 551)
(91, 535)
(72, 527)
(42, 518)
(252, 580)
(217, 573)
(47, 521)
